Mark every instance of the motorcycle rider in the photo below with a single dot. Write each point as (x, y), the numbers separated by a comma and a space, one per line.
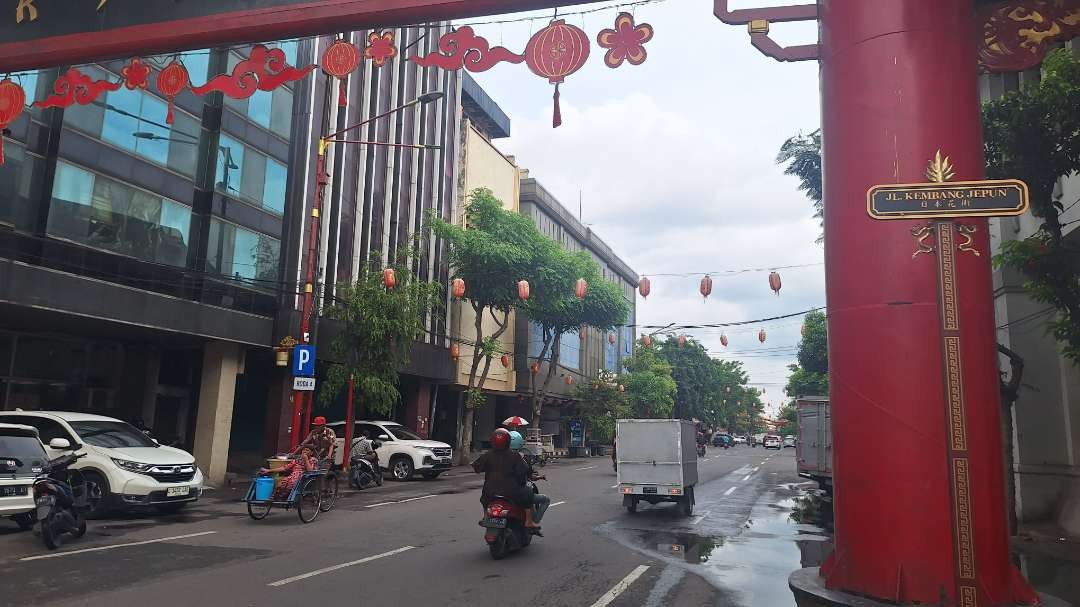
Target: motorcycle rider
(505, 473)
(363, 453)
(540, 501)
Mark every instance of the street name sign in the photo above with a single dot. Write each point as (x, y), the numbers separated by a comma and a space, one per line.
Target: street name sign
(988, 198)
(303, 384)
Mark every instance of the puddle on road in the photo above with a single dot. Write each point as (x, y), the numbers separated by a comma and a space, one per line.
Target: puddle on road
(788, 529)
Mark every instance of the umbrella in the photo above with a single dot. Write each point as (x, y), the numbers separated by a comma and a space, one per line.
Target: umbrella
(515, 421)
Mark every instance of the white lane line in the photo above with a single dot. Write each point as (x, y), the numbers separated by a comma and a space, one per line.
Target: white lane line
(557, 504)
(304, 576)
(379, 504)
(747, 477)
(411, 499)
(621, 587)
(615, 486)
(100, 548)
(756, 469)
(697, 519)
(586, 468)
(730, 491)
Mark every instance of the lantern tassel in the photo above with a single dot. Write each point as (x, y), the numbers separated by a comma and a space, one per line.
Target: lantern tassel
(1, 150)
(342, 99)
(556, 117)
(169, 116)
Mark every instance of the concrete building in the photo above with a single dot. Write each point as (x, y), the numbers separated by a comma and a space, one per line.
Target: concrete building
(1046, 417)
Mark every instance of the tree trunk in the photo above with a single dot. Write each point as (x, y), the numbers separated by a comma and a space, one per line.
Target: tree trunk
(1010, 391)
(533, 388)
(464, 451)
(553, 366)
(464, 446)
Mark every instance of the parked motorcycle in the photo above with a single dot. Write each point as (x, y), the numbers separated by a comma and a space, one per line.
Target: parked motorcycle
(504, 524)
(63, 500)
(363, 472)
(533, 459)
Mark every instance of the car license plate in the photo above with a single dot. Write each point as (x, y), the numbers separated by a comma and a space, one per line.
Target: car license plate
(649, 490)
(495, 523)
(12, 491)
(177, 491)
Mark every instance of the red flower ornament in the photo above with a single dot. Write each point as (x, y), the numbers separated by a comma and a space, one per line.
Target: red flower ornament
(136, 74)
(380, 47)
(626, 42)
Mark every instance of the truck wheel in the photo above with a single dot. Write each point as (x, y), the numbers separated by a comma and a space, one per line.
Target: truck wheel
(632, 507)
(686, 505)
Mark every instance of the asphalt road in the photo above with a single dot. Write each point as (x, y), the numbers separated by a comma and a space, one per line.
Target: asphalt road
(418, 543)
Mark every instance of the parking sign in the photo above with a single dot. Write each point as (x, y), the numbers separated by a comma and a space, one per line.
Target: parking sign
(303, 361)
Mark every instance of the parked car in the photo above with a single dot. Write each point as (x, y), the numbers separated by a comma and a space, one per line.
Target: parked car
(772, 441)
(740, 440)
(402, 453)
(789, 441)
(22, 459)
(723, 440)
(757, 439)
(131, 469)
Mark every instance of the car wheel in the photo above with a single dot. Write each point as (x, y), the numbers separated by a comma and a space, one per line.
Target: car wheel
(99, 507)
(25, 521)
(171, 508)
(430, 475)
(401, 468)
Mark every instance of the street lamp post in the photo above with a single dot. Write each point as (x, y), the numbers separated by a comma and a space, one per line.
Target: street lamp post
(321, 179)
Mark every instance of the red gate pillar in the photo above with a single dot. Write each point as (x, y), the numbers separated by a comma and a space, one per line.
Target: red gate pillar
(920, 503)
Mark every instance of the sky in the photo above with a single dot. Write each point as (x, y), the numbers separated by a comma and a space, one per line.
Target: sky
(675, 163)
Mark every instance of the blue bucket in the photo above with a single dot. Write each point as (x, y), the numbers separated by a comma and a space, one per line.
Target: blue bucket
(264, 488)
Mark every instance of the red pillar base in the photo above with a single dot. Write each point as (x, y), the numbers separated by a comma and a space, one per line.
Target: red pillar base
(809, 589)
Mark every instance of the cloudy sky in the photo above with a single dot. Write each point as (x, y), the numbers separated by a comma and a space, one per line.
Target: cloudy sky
(675, 163)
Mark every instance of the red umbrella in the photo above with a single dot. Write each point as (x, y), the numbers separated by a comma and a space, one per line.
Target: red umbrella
(515, 421)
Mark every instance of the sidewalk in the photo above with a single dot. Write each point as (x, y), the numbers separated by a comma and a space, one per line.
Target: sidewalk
(1050, 560)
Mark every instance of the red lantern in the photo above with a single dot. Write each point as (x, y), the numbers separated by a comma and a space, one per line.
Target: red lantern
(554, 53)
(761, 336)
(611, 338)
(682, 340)
(171, 82)
(644, 287)
(455, 351)
(505, 360)
(457, 287)
(723, 340)
(12, 103)
(388, 278)
(523, 290)
(569, 380)
(646, 340)
(774, 282)
(535, 368)
(340, 59)
(802, 329)
(706, 286)
(581, 288)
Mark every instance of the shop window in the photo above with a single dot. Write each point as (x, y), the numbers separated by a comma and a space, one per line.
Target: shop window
(627, 341)
(103, 213)
(611, 354)
(20, 179)
(570, 350)
(47, 358)
(242, 254)
(250, 175)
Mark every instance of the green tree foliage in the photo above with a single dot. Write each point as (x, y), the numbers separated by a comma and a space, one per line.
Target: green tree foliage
(790, 414)
(650, 388)
(554, 306)
(802, 153)
(493, 251)
(379, 326)
(600, 403)
(811, 376)
(1034, 135)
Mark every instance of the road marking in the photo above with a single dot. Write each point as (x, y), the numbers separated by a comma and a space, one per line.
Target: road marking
(557, 504)
(697, 519)
(304, 576)
(756, 469)
(615, 486)
(586, 468)
(621, 587)
(730, 491)
(747, 477)
(100, 548)
(411, 499)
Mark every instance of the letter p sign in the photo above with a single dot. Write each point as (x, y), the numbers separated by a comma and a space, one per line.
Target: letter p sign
(303, 362)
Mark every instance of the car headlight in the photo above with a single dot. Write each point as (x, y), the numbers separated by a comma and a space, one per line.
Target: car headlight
(131, 466)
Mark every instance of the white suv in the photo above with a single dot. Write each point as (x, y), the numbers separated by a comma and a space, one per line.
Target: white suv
(131, 469)
(22, 459)
(402, 453)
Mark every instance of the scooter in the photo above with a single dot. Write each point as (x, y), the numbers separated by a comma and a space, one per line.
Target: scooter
(363, 472)
(63, 500)
(504, 524)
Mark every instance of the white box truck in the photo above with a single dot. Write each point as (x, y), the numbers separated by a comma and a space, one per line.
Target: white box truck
(814, 446)
(656, 461)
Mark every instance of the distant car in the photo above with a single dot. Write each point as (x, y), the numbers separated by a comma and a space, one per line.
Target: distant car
(772, 441)
(789, 441)
(740, 440)
(402, 453)
(22, 459)
(723, 440)
(130, 468)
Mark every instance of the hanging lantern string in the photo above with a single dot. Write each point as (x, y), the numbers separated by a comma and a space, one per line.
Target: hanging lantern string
(733, 272)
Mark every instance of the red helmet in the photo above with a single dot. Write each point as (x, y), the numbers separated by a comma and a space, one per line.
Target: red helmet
(500, 439)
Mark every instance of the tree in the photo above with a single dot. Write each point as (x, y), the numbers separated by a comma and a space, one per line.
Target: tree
(600, 403)
(554, 306)
(811, 376)
(803, 157)
(650, 388)
(493, 251)
(697, 378)
(379, 328)
(1034, 135)
(790, 414)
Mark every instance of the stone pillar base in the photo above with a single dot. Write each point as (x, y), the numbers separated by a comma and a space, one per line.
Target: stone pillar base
(810, 591)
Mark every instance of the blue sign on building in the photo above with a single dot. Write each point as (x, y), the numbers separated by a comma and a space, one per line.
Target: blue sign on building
(303, 361)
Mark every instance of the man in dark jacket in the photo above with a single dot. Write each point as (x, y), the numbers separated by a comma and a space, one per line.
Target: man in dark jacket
(505, 474)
